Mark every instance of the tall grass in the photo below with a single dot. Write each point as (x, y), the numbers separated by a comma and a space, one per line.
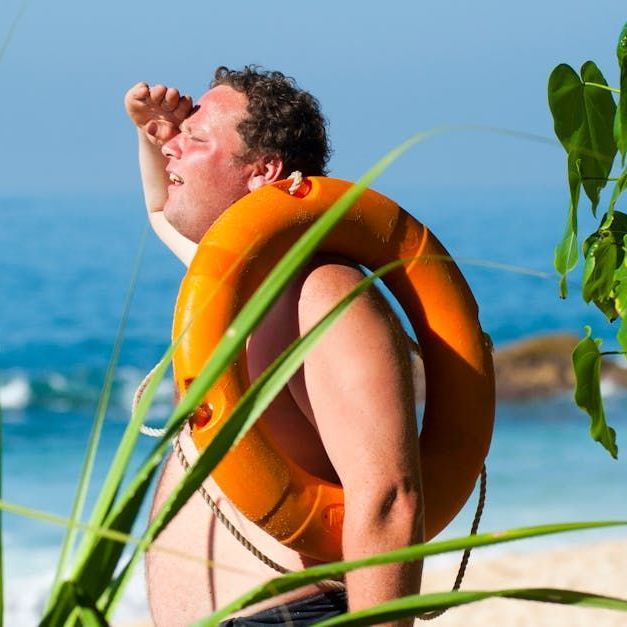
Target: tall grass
(98, 574)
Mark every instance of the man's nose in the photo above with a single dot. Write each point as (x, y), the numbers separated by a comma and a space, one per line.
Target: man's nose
(172, 148)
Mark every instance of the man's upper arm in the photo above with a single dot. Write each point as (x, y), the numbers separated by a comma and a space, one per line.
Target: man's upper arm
(359, 389)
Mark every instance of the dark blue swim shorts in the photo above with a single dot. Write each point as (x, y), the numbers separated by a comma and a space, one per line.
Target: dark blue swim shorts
(299, 613)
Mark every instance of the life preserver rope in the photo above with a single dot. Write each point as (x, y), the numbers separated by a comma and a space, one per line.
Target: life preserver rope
(303, 511)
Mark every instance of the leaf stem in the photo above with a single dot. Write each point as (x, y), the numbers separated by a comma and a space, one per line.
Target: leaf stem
(613, 353)
(600, 86)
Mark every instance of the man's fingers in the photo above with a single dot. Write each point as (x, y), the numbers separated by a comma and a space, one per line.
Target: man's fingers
(157, 93)
(139, 91)
(171, 99)
(184, 107)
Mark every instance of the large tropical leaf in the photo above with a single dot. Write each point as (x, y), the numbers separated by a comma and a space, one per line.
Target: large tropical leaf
(567, 251)
(620, 120)
(587, 365)
(604, 255)
(583, 120)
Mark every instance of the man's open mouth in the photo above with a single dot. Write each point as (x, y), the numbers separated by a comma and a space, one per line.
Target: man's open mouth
(175, 179)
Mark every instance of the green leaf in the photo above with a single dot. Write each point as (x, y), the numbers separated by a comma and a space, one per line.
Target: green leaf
(598, 274)
(621, 336)
(621, 46)
(418, 604)
(620, 121)
(597, 145)
(619, 187)
(297, 579)
(567, 251)
(604, 253)
(587, 365)
(583, 121)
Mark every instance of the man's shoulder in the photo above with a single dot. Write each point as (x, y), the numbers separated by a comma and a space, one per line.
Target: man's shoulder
(325, 281)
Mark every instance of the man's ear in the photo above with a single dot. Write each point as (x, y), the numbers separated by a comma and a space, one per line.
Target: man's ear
(265, 170)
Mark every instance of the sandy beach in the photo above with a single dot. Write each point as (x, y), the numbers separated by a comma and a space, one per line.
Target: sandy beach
(599, 568)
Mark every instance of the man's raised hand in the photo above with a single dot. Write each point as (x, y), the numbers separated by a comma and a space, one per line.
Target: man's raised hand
(157, 111)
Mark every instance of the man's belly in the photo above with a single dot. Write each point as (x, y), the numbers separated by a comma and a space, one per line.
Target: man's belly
(197, 566)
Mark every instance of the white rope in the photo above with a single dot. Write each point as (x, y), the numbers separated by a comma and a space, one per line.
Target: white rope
(149, 431)
(297, 175)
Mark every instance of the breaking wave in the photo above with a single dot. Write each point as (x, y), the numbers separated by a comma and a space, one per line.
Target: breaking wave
(58, 391)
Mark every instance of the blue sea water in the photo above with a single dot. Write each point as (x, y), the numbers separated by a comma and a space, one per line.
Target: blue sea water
(66, 267)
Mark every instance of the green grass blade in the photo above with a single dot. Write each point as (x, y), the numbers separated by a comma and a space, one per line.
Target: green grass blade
(417, 604)
(291, 581)
(83, 612)
(61, 521)
(99, 417)
(254, 402)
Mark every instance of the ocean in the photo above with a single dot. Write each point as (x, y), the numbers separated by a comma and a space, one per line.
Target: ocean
(66, 266)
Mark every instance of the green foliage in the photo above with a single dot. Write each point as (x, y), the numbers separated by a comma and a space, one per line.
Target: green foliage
(620, 124)
(587, 365)
(583, 119)
(567, 251)
(580, 114)
(603, 271)
(592, 127)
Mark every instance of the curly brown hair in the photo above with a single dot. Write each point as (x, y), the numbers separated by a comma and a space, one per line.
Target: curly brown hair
(284, 121)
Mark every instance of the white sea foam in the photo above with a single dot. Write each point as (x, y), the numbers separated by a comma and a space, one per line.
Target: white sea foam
(15, 393)
(59, 391)
(610, 388)
(28, 586)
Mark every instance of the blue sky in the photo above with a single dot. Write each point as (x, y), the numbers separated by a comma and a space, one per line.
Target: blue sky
(381, 70)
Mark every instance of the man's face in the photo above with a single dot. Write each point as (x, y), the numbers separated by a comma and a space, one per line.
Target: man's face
(205, 176)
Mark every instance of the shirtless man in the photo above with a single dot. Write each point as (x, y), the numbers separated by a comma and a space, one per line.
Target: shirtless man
(347, 415)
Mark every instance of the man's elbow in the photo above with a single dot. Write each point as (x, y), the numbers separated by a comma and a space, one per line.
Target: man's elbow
(395, 512)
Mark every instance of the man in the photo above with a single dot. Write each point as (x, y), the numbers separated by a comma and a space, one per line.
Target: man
(347, 415)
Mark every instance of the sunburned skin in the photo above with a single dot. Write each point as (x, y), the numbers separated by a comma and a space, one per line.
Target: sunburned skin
(182, 591)
(347, 415)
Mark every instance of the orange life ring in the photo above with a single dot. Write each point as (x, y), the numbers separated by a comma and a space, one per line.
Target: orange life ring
(265, 484)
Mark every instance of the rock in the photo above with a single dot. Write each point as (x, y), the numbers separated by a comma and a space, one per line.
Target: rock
(536, 367)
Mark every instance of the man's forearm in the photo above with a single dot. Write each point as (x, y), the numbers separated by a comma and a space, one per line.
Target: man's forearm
(365, 535)
(155, 182)
(155, 179)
